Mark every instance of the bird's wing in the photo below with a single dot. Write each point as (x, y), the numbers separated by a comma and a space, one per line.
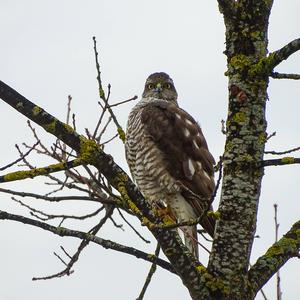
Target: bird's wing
(186, 155)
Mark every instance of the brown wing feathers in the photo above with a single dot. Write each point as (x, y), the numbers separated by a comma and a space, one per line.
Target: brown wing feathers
(187, 158)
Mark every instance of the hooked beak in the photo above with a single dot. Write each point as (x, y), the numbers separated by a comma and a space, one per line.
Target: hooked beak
(158, 88)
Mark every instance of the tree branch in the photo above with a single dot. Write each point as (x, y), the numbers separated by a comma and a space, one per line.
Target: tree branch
(277, 75)
(20, 175)
(20, 158)
(67, 271)
(280, 161)
(107, 244)
(276, 57)
(90, 152)
(149, 276)
(282, 152)
(276, 256)
(61, 198)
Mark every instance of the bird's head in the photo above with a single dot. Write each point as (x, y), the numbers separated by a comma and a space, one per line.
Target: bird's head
(160, 86)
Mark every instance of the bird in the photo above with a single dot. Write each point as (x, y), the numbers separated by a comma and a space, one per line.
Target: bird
(169, 159)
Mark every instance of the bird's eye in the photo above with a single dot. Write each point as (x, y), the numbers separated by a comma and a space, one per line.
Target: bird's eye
(150, 86)
(168, 86)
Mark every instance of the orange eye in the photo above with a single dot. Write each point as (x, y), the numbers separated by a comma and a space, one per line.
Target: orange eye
(150, 86)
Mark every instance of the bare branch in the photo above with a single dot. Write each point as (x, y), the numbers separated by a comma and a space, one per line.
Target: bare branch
(279, 293)
(263, 294)
(282, 152)
(149, 276)
(275, 257)
(280, 161)
(62, 198)
(67, 271)
(271, 135)
(122, 102)
(276, 57)
(98, 138)
(20, 175)
(134, 230)
(19, 159)
(46, 151)
(41, 215)
(102, 94)
(107, 244)
(277, 75)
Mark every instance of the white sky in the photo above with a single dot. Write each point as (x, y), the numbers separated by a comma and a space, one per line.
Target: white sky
(46, 54)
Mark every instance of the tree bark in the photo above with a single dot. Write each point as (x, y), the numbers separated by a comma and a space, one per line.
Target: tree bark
(246, 46)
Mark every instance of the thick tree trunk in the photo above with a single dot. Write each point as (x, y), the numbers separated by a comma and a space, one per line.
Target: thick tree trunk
(246, 46)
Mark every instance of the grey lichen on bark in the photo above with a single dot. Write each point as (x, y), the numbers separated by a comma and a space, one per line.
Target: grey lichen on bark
(246, 45)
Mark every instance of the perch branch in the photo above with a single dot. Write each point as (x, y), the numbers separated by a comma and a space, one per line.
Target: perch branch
(184, 264)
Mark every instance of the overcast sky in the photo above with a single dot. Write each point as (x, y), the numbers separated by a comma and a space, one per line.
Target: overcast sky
(47, 54)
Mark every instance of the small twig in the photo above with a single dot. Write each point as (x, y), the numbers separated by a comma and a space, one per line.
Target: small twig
(74, 121)
(109, 140)
(122, 102)
(134, 230)
(271, 135)
(58, 256)
(282, 152)
(99, 121)
(102, 94)
(21, 158)
(219, 166)
(101, 91)
(223, 128)
(120, 226)
(65, 252)
(149, 276)
(263, 294)
(94, 198)
(278, 289)
(67, 271)
(68, 109)
(98, 138)
(62, 185)
(277, 75)
(37, 138)
(46, 217)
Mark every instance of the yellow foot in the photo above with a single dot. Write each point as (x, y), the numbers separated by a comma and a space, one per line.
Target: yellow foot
(166, 214)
